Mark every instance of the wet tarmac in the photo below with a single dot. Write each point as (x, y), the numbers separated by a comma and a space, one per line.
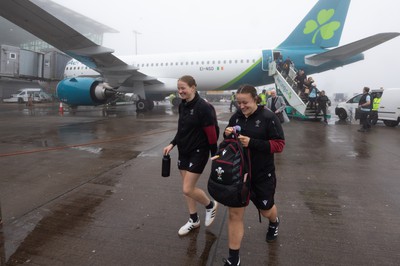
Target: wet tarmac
(85, 188)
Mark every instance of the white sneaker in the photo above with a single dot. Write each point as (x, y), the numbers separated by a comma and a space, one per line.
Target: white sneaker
(210, 214)
(189, 226)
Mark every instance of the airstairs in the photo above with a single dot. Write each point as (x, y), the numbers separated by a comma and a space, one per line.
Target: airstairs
(287, 86)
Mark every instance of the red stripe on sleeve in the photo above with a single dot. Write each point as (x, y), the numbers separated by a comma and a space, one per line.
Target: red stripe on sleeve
(276, 145)
(211, 134)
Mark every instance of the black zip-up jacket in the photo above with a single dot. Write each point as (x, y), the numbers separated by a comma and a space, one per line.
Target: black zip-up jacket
(196, 127)
(363, 100)
(266, 138)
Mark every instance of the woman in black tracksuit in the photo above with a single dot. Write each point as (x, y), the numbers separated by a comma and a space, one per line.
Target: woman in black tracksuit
(196, 138)
(262, 136)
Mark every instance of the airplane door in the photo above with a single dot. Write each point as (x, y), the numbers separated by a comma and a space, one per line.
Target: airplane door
(266, 59)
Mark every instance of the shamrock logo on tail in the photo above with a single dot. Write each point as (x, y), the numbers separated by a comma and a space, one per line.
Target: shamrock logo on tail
(327, 30)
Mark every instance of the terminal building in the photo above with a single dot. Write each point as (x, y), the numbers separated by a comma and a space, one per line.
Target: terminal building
(26, 61)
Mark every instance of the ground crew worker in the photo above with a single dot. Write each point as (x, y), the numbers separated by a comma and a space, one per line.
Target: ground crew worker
(263, 98)
(375, 106)
(233, 101)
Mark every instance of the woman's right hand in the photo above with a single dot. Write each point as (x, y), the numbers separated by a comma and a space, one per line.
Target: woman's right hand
(167, 149)
(228, 131)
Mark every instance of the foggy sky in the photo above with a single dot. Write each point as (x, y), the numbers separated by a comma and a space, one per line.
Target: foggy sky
(209, 25)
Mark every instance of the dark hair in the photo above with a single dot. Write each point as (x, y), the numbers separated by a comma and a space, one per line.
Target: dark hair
(189, 80)
(366, 89)
(246, 88)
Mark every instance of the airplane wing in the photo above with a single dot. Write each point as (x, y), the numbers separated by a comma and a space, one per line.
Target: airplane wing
(351, 49)
(30, 16)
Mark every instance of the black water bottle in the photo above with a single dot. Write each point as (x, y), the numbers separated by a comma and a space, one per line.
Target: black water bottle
(166, 165)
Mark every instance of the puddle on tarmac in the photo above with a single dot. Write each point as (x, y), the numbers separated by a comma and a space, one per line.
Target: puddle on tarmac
(65, 219)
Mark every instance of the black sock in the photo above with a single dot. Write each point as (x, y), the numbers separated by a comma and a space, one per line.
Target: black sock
(194, 217)
(233, 256)
(211, 205)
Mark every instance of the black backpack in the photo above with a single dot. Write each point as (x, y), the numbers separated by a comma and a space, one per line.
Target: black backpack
(229, 181)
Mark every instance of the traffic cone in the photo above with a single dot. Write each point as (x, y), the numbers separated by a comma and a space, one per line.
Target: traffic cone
(61, 109)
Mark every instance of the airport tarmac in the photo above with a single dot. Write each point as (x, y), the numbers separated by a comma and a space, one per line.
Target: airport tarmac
(85, 188)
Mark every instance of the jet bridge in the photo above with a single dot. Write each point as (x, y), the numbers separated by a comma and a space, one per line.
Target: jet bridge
(25, 64)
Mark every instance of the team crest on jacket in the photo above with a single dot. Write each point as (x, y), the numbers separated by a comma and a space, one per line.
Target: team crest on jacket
(219, 171)
(258, 122)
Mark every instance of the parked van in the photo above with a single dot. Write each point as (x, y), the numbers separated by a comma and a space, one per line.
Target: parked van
(389, 108)
(37, 94)
(347, 109)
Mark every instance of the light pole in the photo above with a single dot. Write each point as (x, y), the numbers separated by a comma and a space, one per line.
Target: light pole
(135, 32)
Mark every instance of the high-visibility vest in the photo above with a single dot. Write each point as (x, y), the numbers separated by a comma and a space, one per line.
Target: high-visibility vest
(263, 99)
(375, 104)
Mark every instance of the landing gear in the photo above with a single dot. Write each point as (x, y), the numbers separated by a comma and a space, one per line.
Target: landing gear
(143, 105)
(176, 101)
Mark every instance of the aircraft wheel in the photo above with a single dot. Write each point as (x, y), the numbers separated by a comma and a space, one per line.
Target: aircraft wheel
(150, 104)
(141, 105)
(176, 101)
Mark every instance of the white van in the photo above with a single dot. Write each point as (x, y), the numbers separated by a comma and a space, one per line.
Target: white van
(37, 94)
(389, 107)
(388, 111)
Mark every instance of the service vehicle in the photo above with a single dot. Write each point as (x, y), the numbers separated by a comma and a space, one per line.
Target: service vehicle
(22, 96)
(389, 108)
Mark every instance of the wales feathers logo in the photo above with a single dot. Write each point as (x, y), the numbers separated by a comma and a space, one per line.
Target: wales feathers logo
(322, 25)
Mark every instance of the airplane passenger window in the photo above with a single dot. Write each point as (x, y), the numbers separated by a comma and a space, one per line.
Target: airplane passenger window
(197, 62)
(191, 63)
(202, 62)
(224, 61)
(208, 62)
(236, 61)
(213, 62)
(241, 61)
(162, 64)
(181, 63)
(247, 61)
(187, 63)
(156, 64)
(152, 64)
(219, 62)
(230, 61)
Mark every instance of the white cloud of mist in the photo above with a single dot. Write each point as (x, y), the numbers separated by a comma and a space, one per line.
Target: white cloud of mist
(185, 26)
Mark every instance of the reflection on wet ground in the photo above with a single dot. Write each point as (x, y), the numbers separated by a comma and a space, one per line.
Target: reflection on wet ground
(85, 189)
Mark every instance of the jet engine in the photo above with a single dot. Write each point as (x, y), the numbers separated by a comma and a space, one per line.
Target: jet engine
(84, 91)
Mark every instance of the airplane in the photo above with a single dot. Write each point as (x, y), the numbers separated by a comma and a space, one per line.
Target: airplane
(96, 75)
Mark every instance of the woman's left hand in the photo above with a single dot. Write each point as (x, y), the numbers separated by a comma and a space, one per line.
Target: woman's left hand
(244, 140)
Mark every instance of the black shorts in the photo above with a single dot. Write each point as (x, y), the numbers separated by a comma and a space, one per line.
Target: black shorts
(263, 191)
(194, 162)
